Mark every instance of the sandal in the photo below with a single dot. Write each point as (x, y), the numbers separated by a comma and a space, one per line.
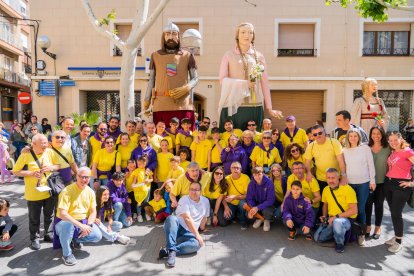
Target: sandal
(308, 237)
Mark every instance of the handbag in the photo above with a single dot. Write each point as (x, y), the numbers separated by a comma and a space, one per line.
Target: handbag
(54, 181)
(356, 227)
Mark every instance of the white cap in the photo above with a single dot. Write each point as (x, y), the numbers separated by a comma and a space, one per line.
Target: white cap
(171, 28)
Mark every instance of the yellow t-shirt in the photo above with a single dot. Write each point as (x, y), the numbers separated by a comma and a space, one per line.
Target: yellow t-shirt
(30, 182)
(278, 190)
(181, 186)
(129, 180)
(174, 174)
(133, 140)
(183, 140)
(157, 205)
(164, 165)
(260, 156)
(58, 160)
(202, 151)
(301, 138)
(215, 193)
(208, 134)
(344, 194)
(307, 188)
(95, 146)
(325, 156)
(291, 161)
(76, 202)
(226, 135)
(184, 165)
(106, 160)
(237, 186)
(215, 153)
(173, 137)
(125, 153)
(141, 188)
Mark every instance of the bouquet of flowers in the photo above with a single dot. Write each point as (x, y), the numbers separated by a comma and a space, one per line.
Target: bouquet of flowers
(256, 72)
(376, 116)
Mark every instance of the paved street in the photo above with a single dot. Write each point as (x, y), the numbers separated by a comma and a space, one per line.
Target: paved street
(228, 251)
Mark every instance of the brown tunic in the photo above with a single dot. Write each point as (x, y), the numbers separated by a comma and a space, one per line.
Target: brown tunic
(171, 71)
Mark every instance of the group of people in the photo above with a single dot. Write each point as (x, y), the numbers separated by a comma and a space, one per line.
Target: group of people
(316, 184)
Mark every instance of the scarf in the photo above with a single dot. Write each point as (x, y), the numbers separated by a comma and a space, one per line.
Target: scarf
(271, 146)
(98, 138)
(192, 180)
(287, 132)
(168, 131)
(187, 134)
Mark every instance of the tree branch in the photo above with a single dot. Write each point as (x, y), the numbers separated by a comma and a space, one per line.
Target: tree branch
(136, 37)
(389, 6)
(95, 23)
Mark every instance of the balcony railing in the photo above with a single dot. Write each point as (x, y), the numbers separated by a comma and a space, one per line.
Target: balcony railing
(296, 52)
(118, 52)
(387, 51)
(14, 77)
(10, 39)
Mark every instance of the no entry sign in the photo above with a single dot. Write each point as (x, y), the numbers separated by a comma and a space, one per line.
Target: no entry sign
(24, 98)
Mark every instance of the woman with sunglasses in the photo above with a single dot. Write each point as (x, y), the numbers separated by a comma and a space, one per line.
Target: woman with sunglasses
(144, 148)
(276, 141)
(125, 148)
(293, 153)
(234, 152)
(280, 186)
(215, 191)
(265, 153)
(105, 162)
(398, 185)
(33, 131)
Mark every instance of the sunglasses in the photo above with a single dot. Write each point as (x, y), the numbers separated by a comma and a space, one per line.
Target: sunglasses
(275, 134)
(294, 150)
(266, 138)
(206, 123)
(60, 137)
(251, 124)
(317, 134)
(218, 173)
(109, 142)
(103, 129)
(143, 140)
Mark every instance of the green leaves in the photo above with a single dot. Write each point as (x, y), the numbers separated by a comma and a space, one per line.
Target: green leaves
(109, 17)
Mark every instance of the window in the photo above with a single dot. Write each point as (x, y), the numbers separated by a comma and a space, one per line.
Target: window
(123, 29)
(189, 23)
(23, 9)
(24, 42)
(386, 40)
(297, 37)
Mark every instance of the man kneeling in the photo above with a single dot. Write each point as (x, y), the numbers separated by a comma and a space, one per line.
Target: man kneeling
(74, 225)
(181, 230)
(339, 206)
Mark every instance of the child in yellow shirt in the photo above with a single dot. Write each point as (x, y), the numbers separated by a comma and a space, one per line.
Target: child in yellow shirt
(141, 185)
(184, 154)
(175, 170)
(184, 138)
(156, 208)
(201, 149)
(164, 166)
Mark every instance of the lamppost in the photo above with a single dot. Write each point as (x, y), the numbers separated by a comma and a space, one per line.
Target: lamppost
(44, 43)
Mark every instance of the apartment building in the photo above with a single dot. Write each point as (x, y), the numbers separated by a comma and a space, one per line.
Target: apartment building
(15, 58)
(317, 56)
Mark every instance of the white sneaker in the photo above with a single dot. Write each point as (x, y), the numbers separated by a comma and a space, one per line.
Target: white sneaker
(123, 239)
(147, 217)
(395, 247)
(390, 241)
(361, 240)
(140, 219)
(266, 225)
(134, 216)
(257, 223)
(208, 221)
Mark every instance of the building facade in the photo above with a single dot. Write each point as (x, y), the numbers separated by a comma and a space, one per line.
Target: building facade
(317, 56)
(15, 58)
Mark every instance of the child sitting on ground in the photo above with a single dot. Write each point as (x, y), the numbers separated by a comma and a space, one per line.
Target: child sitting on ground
(297, 212)
(156, 207)
(141, 186)
(7, 230)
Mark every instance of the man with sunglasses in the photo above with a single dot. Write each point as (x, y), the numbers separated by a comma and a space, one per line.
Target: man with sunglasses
(293, 134)
(204, 122)
(325, 153)
(63, 156)
(251, 125)
(97, 139)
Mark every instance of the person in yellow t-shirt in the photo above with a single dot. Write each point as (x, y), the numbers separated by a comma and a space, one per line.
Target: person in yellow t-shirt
(175, 171)
(104, 161)
(236, 195)
(215, 191)
(218, 146)
(337, 220)
(326, 153)
(154, 139)
(293, 153)
(293, 134)
(310, 191)
(228, 126)
(184, 138)
(160, 130)
(97, 140)
(130, 127)
(141, 186)
(201, 149)
(77, 209)
(63, 156)
(156, 208)
(204, 122)
(184, 155)
(125, 148)
(172, 131)
(164, 163)
(35, 179)
(129, 178)
(265, 153)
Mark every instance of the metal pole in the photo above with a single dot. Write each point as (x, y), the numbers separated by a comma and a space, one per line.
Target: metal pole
(57, 100)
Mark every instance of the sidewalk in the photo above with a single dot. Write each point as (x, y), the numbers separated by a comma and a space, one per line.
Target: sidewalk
(228, 251)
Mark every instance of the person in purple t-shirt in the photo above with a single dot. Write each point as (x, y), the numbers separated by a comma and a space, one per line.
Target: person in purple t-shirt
(120, 199)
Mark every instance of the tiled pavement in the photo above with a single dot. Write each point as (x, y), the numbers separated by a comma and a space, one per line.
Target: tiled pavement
(228, 251)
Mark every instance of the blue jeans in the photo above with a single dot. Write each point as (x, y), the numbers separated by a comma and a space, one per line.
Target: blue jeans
(110, 236)
(336, 231)
(178, 238)
(239, 211)
(362, 193)
(120, 214)
(65, 230)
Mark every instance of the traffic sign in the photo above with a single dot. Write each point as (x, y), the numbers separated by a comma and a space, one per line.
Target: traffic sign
(66, 83)
(24, 98)
(48, 88)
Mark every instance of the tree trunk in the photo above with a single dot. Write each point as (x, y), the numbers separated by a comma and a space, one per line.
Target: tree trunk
(127, 84)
